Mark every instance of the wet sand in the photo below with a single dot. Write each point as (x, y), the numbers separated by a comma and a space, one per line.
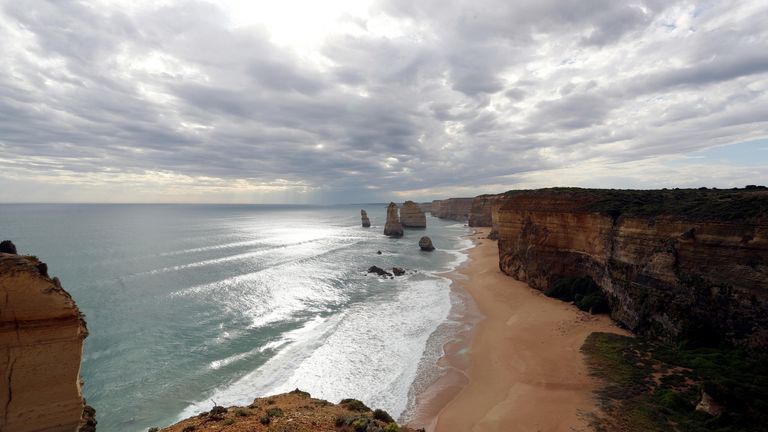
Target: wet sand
(520, 368)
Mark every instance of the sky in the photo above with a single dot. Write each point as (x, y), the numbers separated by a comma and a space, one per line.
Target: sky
(335, 101)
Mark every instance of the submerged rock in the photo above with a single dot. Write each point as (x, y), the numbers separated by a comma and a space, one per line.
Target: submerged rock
(411, 216)
(392, 227)
(364, 217)
(425, 243)
(379, 271)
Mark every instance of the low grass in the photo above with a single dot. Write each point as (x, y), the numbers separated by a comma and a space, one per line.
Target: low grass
(654, 386)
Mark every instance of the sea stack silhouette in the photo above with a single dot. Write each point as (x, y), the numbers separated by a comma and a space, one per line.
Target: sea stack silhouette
(392, 227)
(364, 217)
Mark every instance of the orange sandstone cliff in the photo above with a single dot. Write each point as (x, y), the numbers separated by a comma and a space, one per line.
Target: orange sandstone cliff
(672, 262)
(452, 208)
(41, 344)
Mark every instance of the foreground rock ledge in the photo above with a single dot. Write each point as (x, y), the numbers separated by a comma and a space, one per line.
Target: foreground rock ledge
(41, 345)
(294, 411)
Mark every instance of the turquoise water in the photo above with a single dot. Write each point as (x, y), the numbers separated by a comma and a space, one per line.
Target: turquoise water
(189, 304)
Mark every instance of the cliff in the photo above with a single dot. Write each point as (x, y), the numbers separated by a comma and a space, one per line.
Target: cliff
(294, 411)
(452, 208)
(41, 344)
(484, 211)
(411, 216)
(671, 262)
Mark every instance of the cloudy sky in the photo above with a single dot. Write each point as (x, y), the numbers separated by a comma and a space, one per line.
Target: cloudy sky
(370, 100)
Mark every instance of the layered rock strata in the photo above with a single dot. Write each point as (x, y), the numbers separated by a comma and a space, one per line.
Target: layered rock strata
(392, 227)
(452, 208)
(41, 344)
(365, 220)
(678, 262)
(482, 212)
(411, 216)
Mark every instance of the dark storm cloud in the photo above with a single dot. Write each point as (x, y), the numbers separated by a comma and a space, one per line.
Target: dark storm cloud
(458, 94)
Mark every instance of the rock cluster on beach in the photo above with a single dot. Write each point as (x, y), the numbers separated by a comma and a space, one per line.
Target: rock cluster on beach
(365, 220)
(411, 216)
(392, 227)
(41, 335)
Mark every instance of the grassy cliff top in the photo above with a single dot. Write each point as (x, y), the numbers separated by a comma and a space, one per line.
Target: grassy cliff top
(744, 204)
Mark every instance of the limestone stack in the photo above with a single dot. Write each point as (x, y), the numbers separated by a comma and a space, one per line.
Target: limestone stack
(41, 345)
(392, 227)
(411, 216)
(364, 217)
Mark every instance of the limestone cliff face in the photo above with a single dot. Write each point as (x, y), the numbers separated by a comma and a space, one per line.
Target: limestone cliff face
(680, 262)
(484, 211)
(452, 208)
(41, 344)
(392, 226)
(411, 216)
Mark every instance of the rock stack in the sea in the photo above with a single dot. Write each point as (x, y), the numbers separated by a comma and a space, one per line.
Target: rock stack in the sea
(425, 243)
(392, 227)
(364, 217)
(41, 338)
(411, 216)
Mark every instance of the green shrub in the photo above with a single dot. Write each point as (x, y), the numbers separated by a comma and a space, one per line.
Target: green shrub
(392, 427)
(241, 412)
(275, 412)
(229, 421)
(382, 415)
(354, 405)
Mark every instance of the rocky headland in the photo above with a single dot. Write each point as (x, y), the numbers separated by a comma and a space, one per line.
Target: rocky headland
(41, 338)
(294, 411)
(671, 263)
(457, 209)
(411, 216)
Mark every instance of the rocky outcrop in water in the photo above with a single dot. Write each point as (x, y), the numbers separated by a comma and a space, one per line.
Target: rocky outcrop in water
(392, 227)
(690, 263)
(41, 345)
(365, 220)
(379, 271)
(452, 208)
(425, 243)
(411, 216)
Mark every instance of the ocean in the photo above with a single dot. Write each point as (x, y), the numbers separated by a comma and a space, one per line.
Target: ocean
(191, 305)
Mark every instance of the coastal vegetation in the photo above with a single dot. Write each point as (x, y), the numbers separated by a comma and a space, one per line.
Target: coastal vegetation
(655, 386)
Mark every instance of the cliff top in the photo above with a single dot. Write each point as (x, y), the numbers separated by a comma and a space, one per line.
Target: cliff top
(738, 204)
(294, 411)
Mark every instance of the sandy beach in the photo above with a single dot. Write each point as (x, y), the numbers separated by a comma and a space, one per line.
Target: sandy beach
(520, 369)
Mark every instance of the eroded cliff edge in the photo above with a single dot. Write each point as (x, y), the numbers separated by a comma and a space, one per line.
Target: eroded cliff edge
(672, 262)
(41, 344)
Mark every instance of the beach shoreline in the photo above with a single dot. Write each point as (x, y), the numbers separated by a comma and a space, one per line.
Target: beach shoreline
(519, 367)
